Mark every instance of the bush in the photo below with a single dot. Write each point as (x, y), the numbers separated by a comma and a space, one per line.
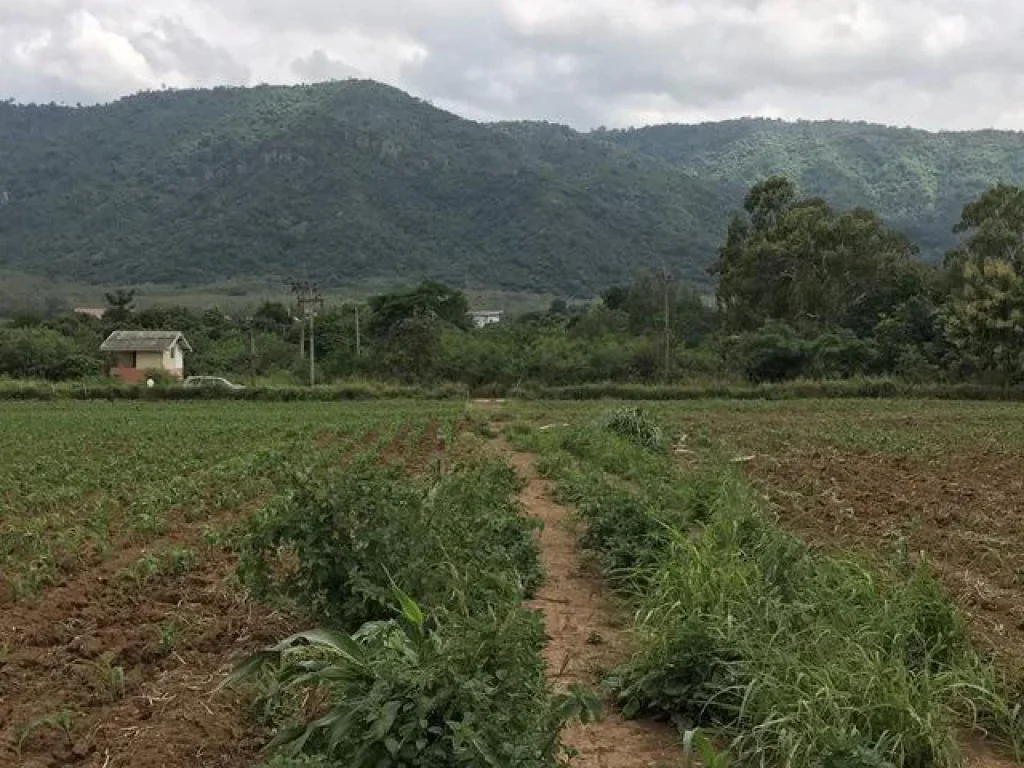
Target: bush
(774, 353)
(412, 692)
(331, 542)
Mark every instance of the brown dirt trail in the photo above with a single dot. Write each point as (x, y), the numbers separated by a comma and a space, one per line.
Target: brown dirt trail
(587, 636)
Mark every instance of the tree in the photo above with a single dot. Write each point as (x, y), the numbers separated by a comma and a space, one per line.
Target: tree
(430, 300)
(995, 223)
(768, 201)
(800, 262)
(985, 322)
(120, 306)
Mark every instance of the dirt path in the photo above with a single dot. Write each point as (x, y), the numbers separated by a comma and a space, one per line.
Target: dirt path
(587, 637)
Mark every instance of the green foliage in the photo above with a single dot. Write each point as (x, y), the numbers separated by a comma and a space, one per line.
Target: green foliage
(45, 354)
(792, 657)
(351, 179)
(801, 263)
(635, 425)
(332, 541)
(454, 690)
(918, 182)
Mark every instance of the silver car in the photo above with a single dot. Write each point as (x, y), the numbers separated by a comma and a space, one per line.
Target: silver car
(211, 382)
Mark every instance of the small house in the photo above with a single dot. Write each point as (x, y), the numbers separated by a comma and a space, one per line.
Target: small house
(482, 318)
(135, 354)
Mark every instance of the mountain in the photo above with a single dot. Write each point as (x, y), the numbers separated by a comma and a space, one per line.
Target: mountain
(345, 181)
(356, 181)
(917, 181)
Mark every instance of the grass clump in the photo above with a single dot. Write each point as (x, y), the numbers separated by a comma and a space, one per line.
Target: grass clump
(803, 659)
(635, 425)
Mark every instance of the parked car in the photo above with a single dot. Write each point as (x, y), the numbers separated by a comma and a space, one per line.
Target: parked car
(211, 382)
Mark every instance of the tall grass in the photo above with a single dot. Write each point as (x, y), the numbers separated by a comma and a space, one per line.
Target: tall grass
(795, 658)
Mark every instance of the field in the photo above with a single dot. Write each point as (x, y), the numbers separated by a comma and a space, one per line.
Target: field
(145, 547)
(117, 609)
(879, 478)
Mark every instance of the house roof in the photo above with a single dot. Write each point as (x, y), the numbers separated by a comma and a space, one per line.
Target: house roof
(143, 341)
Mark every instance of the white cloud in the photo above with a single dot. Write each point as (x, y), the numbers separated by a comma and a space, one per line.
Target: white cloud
(929, 63)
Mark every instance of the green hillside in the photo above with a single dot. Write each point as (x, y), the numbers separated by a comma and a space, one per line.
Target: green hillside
(345, 181)
(917, 181)
(357, 182)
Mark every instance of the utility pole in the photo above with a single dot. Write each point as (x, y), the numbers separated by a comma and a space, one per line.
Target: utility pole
(666, 277)
(359, 340)
(252, 354)
(307, 296)
(312, 350)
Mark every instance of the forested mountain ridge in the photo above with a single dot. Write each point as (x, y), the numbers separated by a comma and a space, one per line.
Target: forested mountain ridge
(917, 181)
(354, 180)
(347, 181)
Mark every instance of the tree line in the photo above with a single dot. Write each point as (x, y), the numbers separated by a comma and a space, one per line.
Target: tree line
(803, 290)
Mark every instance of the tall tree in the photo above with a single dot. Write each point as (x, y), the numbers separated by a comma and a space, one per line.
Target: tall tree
(995, 226)
(120, 305)
(985, 321)
(800, 262)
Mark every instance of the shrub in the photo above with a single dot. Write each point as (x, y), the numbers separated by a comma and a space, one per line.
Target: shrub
(331, 541)
(774, 353)
(413, 691)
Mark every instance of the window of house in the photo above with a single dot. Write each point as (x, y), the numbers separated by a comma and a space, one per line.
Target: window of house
(174, 350)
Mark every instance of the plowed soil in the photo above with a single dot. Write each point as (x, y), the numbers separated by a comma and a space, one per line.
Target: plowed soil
(111, 671)
(965, 513)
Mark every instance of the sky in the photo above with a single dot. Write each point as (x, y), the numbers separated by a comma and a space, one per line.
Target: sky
(934, 64)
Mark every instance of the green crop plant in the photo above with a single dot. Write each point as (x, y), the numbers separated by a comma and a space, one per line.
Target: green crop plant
(107, 677)
(63, 721)
(451, 689)
(461, 538)
(168, 636)
(177, 561)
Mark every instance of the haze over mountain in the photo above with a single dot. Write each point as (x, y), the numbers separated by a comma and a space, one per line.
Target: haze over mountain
(354, 180)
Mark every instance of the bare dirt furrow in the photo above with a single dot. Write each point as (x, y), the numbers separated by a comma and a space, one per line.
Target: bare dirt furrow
(587, 637)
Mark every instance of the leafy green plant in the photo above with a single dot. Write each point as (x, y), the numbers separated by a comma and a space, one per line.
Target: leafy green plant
(793, 657)
(107, 677)
(168, 636)
(413, 691)
(62, 721)
(329, 542)
(699, 750)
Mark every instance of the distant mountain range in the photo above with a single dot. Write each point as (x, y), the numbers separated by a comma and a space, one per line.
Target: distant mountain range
(354, 181)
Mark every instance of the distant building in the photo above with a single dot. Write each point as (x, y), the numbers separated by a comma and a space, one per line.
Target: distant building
(133, 354)
(486, 317)
(97, 312)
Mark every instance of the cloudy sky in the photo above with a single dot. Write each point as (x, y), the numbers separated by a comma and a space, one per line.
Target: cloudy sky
(938, 64)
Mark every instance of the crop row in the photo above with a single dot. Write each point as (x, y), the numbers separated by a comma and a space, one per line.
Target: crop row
(425, 654)
(79, 480)
(793, 657)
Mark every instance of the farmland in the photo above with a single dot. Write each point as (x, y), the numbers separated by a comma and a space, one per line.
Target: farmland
(861, 555)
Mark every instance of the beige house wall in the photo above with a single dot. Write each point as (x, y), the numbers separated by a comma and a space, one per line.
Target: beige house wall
(149, 361)
(174, 360)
